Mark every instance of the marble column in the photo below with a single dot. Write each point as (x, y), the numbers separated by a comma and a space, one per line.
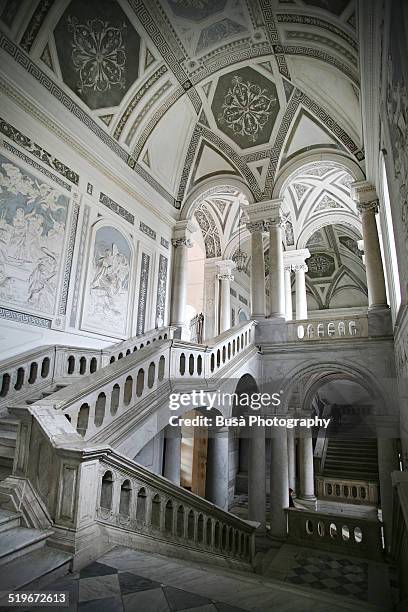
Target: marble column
(225, 277)
(257, 270)
(172, 454)
(216, 485)
(288, 293)
(256, 476)
(367, 203)
(301, 300)
(306, 471)
(276, 270)
(279, 490)
(181, 243)
(387, 463)
(291, 459)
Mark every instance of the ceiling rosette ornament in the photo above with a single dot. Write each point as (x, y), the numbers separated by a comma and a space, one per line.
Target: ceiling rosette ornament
(98, 54)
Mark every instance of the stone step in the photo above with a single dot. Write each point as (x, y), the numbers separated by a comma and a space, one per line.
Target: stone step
(35, 569)
(19, 541)
(9, 520)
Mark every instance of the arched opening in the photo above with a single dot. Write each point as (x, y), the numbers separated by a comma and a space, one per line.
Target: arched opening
(106, 491)
(180, 521)
(93, 365)
(140, 382)
(45, 367)
(151, 375)
(162, 363)
(125, 497)
(190, 525)
(19, 379)
(82, 366)
(141, 505)
(128, 391)
(156, 511)
(33, 373)
(100, 409)
(83, 420)
(71, 364)
(114, 405)
(168, 517)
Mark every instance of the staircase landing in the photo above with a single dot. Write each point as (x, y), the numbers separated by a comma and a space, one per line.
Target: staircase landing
(130, 580)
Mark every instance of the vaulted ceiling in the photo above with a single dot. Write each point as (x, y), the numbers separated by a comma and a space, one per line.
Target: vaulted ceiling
(183, 90)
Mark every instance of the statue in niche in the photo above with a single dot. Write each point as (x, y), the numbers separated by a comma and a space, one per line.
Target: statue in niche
(32, 226)
(108, 291)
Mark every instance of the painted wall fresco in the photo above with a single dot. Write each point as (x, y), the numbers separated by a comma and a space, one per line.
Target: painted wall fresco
(107, 288)
(33, 215)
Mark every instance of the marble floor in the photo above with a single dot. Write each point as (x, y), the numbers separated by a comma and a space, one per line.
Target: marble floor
(129, 580)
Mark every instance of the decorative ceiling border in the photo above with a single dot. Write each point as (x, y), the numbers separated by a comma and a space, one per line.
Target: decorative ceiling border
(324, 57)
(273, 35)
(34, 26)
(141, 92)
(320, 23)
(35, 165)
(323, 40)
(32, 147)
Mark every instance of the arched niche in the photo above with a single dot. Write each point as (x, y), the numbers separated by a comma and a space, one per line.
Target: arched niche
(108, 282)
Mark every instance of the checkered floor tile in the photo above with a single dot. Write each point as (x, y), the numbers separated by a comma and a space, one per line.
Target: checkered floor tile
(342, 576)
(102, 588)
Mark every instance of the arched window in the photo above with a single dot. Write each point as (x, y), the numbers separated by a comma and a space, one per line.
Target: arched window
(112, 359)
(125, 495)
(93, 365)
(200, 528)
(320, 330)
(180, 521)
(352, 328)
(106, 491)
(199, 365)
(331, 330)
(191, 364)
(342, 328)
(190, 525)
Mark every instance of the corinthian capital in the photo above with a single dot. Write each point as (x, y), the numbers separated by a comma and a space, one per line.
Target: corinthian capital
(255, 226)
(299, 267)
(178, 242)
(364, 207)
(225, 276)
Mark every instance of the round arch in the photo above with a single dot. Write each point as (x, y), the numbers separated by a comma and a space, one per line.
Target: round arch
(325, 372)
(330, 218)
(308, 158)
(209, 187)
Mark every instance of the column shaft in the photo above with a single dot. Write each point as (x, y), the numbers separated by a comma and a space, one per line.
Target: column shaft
(172, 456)
(279, 495)
(377, 297)
(256, 476)
(179, 290)
(225, 309)
(216, 486)
(301, 300)
(288, 293)
(257, 273)
(291, 459)
(276, 271)
(306, 466)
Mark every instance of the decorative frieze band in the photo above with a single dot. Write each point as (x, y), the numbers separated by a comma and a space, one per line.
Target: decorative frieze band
(116, 208)
(147, 230)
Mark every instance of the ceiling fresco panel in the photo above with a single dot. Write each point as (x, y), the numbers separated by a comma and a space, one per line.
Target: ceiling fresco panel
(98, 51)
(245, 107)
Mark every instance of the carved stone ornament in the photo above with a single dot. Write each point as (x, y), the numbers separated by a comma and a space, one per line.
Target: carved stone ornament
(225, 276)
(255, 226)
(178, 242)
(299, 267)
(364, 207)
